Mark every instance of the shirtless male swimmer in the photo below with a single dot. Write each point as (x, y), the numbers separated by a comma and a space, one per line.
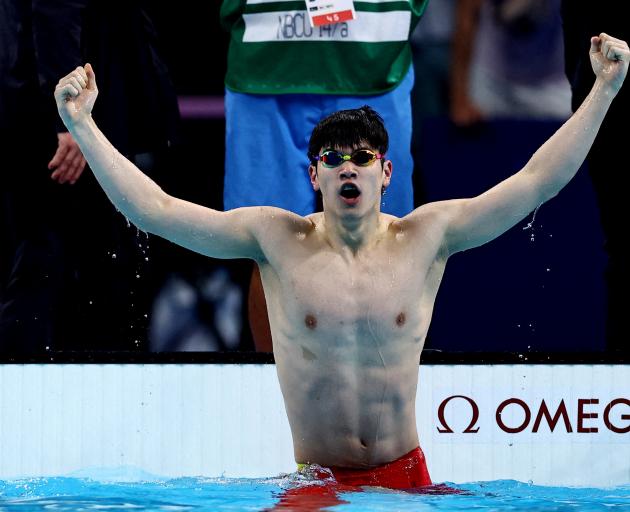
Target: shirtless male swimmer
(350, 290)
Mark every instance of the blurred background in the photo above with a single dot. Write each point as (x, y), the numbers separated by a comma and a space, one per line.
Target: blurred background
(540, 287)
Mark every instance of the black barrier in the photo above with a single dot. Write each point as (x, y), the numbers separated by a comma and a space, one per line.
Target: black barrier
(429, 357)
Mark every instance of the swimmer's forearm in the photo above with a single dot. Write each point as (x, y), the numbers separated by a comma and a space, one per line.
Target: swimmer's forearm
(136, 196)
(559, 159)
(223, 235)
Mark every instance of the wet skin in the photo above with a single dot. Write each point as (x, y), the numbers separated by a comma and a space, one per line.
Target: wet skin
(348, 330)
(349, 308)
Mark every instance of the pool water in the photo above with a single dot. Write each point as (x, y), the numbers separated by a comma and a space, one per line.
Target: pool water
(201, 494)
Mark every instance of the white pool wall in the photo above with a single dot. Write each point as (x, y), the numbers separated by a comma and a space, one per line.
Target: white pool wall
(229, 420)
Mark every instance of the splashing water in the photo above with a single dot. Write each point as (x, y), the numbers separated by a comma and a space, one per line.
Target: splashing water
(530, 225)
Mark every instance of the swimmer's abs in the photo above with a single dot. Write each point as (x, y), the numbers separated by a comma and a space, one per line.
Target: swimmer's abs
(348, 415)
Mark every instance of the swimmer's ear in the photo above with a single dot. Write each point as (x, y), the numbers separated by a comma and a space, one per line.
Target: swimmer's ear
(388, 169)
(312, 173)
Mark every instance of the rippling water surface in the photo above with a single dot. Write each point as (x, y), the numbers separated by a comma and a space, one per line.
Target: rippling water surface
(292, 493)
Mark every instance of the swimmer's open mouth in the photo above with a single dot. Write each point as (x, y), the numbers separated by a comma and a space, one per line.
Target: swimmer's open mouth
(349, 191)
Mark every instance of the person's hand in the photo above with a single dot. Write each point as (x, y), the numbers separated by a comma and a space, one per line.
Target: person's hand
(68, 162)
(609, 58)
(75, 95)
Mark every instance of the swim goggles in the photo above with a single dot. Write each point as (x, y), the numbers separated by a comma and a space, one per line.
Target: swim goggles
(362, 157)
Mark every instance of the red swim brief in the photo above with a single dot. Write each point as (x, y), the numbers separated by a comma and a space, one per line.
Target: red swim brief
(406, 472)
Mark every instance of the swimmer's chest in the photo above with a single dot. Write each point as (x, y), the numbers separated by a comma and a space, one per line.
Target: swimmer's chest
(326, 294)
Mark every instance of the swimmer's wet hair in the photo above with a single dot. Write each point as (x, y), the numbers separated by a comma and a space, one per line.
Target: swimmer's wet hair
(349, 129)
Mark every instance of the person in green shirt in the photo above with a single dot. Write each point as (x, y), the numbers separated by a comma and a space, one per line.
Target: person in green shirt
(283, 76)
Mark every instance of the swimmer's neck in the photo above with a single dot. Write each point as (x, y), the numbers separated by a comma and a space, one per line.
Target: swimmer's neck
(353, 234)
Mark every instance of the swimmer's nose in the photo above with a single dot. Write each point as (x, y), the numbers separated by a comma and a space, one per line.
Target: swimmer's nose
(347, 173)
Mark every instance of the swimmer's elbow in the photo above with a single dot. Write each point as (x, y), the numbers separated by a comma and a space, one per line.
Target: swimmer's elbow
(551, 189)
(550, 194)
(543, 185)
(150, 214)
(550, 178)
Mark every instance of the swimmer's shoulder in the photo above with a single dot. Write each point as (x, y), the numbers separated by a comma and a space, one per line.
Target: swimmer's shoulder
(429, 221)
(285, 219)
(437, 212)
(270, 220)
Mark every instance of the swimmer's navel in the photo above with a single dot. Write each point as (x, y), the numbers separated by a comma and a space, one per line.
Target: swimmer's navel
(310, 321)
(401, 319)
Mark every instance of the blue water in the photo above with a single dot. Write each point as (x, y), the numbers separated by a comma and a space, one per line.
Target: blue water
(201, 494)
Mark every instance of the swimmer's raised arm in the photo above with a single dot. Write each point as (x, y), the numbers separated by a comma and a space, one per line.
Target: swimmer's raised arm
(473, 222)
(218, 234)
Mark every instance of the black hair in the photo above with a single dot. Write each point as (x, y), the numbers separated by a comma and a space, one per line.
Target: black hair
(349, 128)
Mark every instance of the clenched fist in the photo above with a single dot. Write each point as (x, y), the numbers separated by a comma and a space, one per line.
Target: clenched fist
(75, 95)
(609, 58)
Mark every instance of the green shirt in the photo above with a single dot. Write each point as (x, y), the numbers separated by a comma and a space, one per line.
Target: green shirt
(274, 50)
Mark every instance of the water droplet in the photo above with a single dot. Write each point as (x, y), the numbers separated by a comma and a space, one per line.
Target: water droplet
(114, 255)
(137, 276)
(301, 236)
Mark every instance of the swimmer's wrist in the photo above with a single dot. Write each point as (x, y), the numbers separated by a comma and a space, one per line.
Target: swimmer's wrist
(82, 128)
(603, 90)
(606, 88)
(80, 123)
